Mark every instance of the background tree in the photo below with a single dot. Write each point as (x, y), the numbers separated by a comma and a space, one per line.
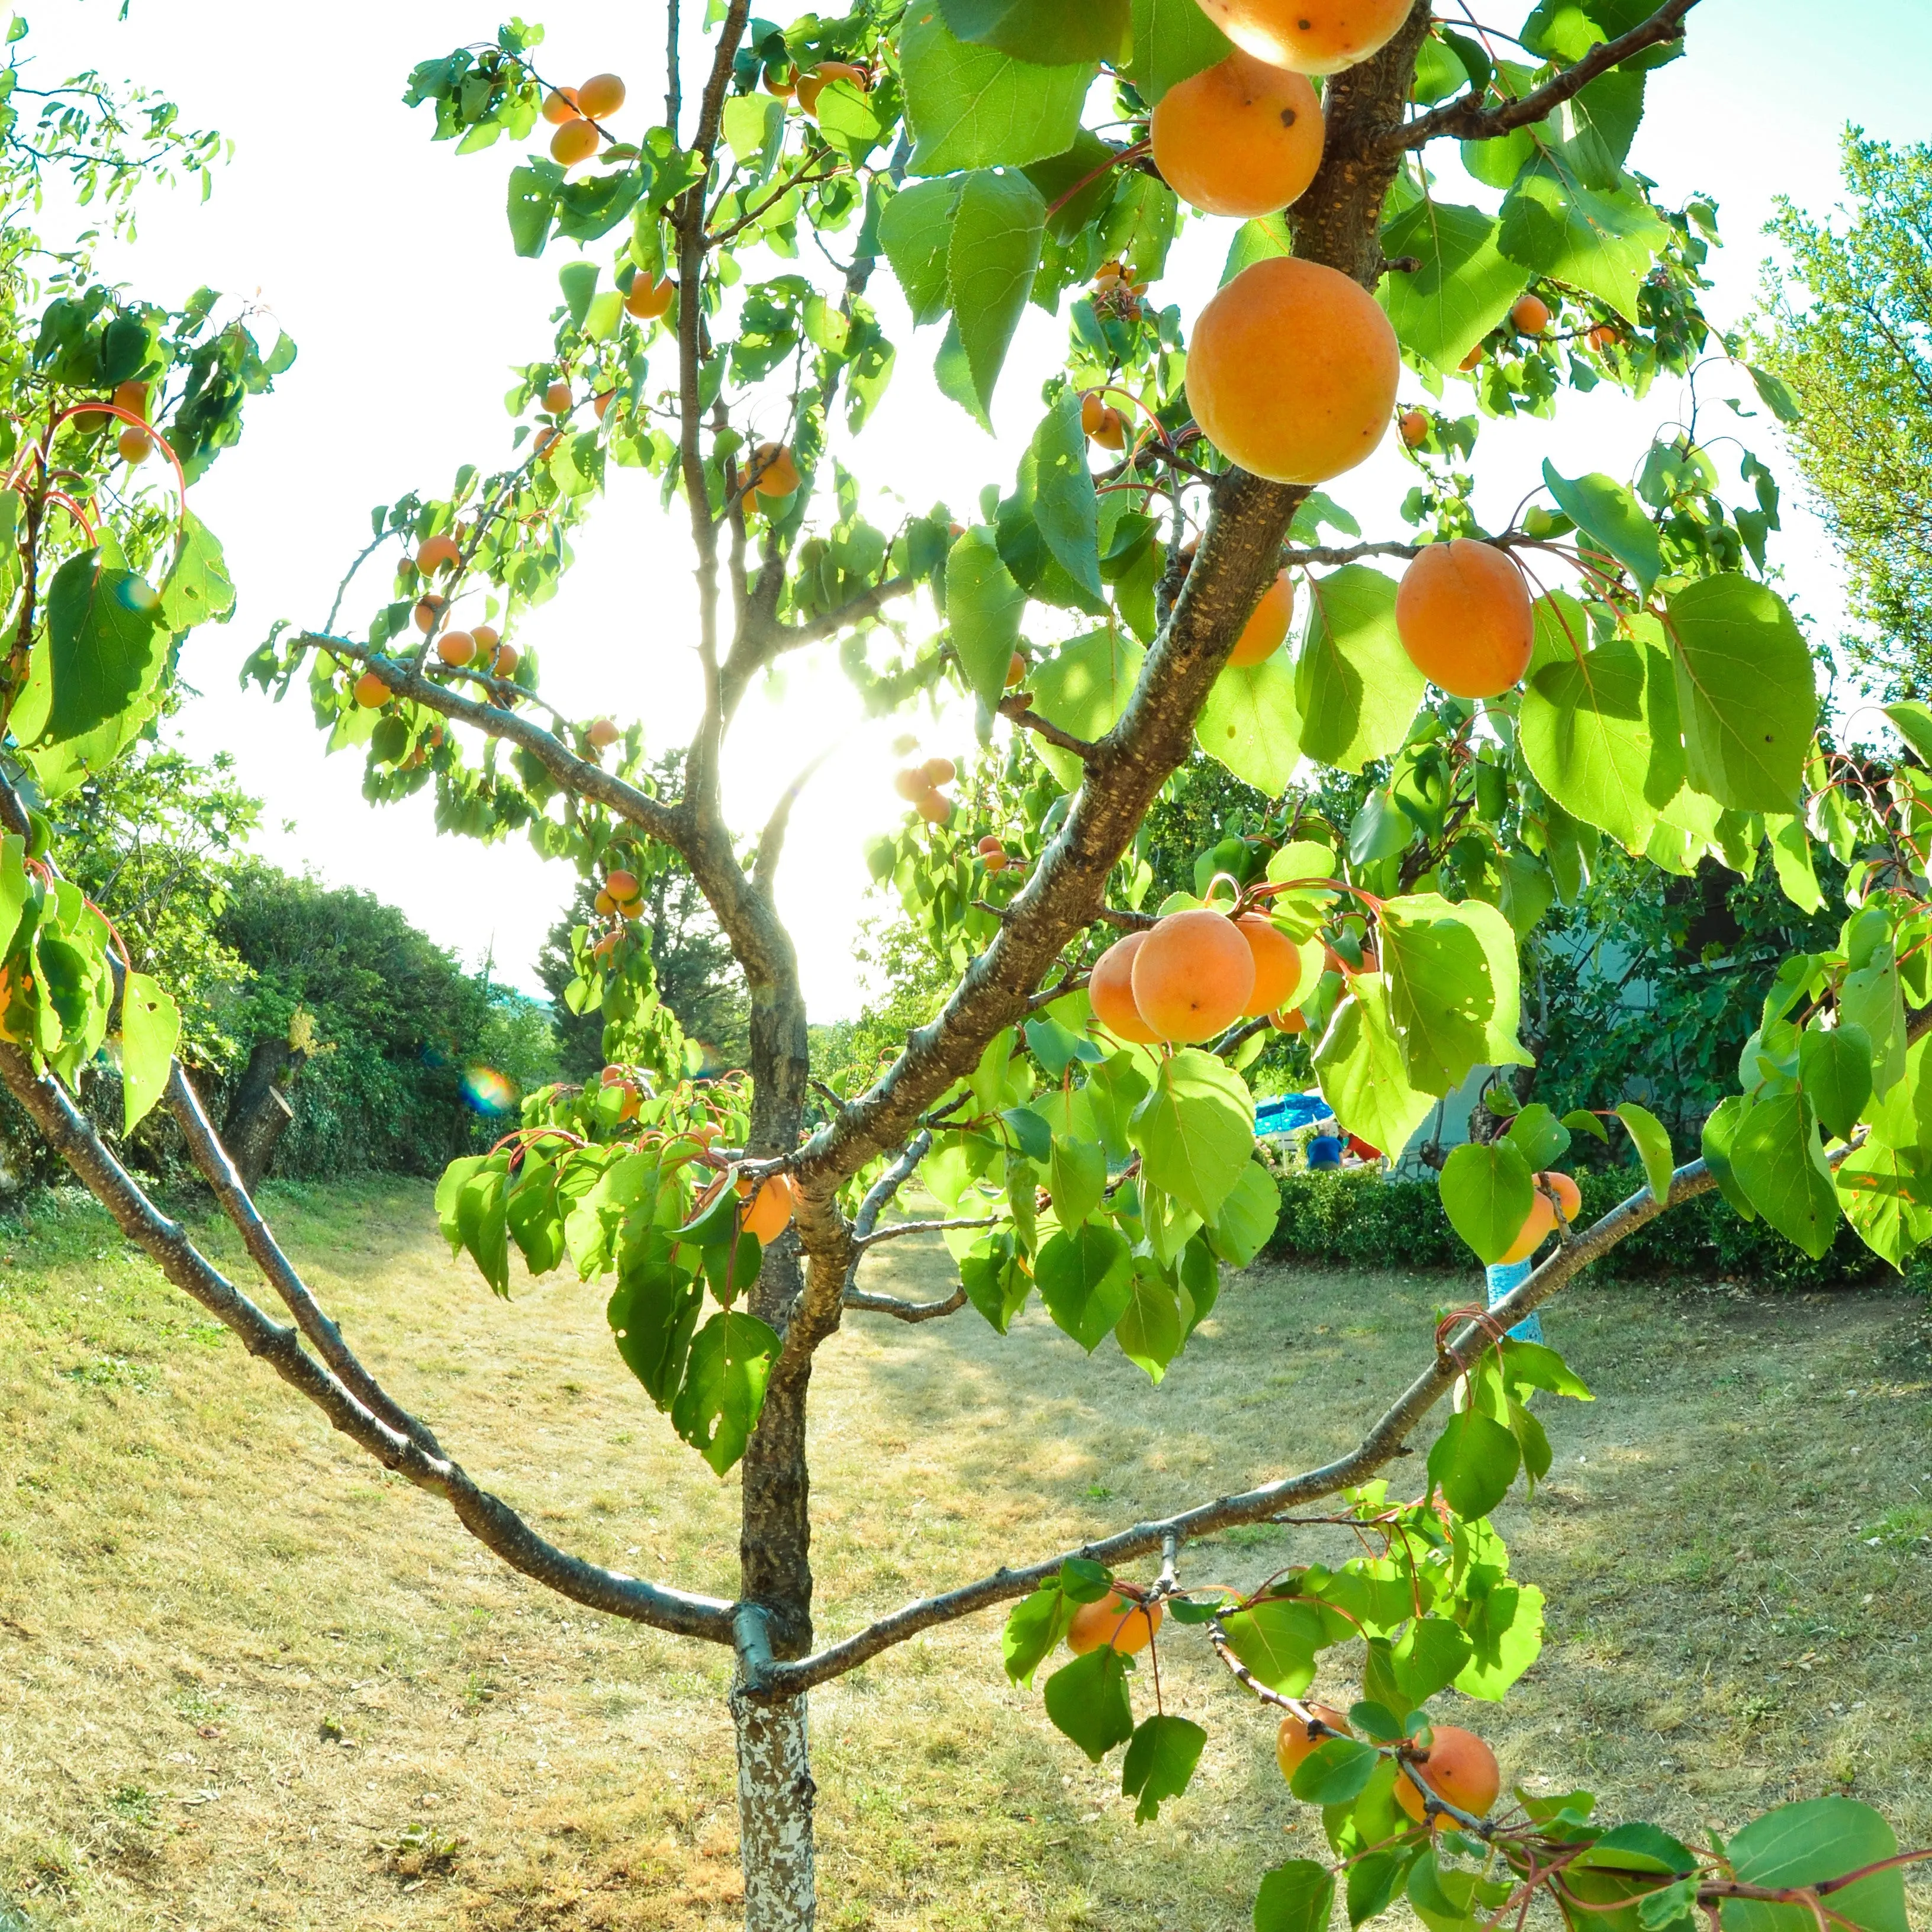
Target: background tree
(1074, 1106)
(1848, 329)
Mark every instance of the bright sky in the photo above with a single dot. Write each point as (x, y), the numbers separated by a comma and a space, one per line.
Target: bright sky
(388, 259)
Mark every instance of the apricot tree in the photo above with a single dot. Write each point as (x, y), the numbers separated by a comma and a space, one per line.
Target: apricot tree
(1607, 665)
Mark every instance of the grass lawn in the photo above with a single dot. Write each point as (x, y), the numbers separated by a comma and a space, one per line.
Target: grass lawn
(248, 1680)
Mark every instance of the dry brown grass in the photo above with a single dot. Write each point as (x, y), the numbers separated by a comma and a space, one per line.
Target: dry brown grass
(247, 1681)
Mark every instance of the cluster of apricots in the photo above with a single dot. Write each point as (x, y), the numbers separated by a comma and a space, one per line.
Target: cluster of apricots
(1191, 974)
(135, 442)
(1553, 1191)
(1456, 1764)
(1103, 423)
(919, 786)
(621, 896)
(1464, 615)
(1115, 291)
(633, 1088)
(993, 854)
(576, 112)
(775, 475)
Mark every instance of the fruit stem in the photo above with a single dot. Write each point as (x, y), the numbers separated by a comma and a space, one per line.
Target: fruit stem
(1113, 160)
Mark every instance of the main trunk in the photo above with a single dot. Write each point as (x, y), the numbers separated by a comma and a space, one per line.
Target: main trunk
(775, 1796)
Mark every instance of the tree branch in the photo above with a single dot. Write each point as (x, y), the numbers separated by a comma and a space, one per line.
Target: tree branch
(905, 1311)
(1467, 120)
(1019, 708)
(893, 1230)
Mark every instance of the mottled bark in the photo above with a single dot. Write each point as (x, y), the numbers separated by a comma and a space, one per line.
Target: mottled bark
(775, 1821)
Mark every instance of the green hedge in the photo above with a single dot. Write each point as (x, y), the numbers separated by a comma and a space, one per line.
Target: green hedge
(1359, 1218)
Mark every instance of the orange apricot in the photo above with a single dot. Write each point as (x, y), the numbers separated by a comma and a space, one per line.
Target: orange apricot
(136, 446)
(1292, 371)
(600, 97)
(429, 613)
(1604, 335)
(1017, 668)
(439, 552)
(1110, 991)
(1277, 964)
(504, 660)
(603, 731)
(1569, 1195)
(1116, 1622)
(622, 884)
(1464, 616)
(132, 397)
(604, 905)
(456, 648)
(912, 784)
(371, 690)
(1093, 413)
(560, 105)
(1471, 360)
(1459, 1768)
(1536, 1231)
(575, 141)
(769, 1212)
(543, 442)
(488, 638)
(1112, 431)
(1193, 975)
(777, 469)
(558, 397)
(1414, 427)
(938, 772)
(812, 84)
(1262, 636)
(1293, 1021)
(1309, 36)
(649, 297)
(934, 807)
(1297, 1739)
(781, 88)
(993, 855)
(1530, 315)
(1242, 138)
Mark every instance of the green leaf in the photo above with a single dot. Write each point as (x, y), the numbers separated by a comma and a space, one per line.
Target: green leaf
(1160, 1762)
(456, 1176)
(1430, 1654)
(1473, 1462)
(1049, 32)
(1791, 859)
(1034, 1136)
(717, 1409)
(197, 589)
(480, 1222)
(1086, 1278)
(1035, 1624)
(1488, 1194)
(1607, 513)
(1804, 1844)
(1535, 1365)
(1297, 1896)
(1150, 1331)
(1247, 1217)
(1195, 1130)
(1780, 1163)
(1871, 998)
(1505, 1634)
(1720, 1138)
(975, 107)
(105, 644)
(653, 1312)
(1336, 1771)
(534, 1217)
(1463, 289)
(1356, 687)
(1065, 506)
(1363, 1077)
(1252, 724)
(994, 1282)
(1277, 1641)
(150, 1027)
(1538, 1136)
(1453, 988)
(984, 608)
(917, 233)
(1375, 1883)
(1602, 242)
(1745, 691)
(1083, 688)
(1775, 393)
(993, 254)
(1835, 1068)
(1173, 40)
(1087, 1701)
(1653, 1147)
(1078, 1177)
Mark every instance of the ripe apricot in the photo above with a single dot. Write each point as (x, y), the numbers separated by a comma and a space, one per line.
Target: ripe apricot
(938, 772)
(777, 469)
(812, 84)
(649, 297)
(1016, 670)
(488, 638)
(1535, 1231)
(781, 88)
(136, 446)
(606, 946)
(600, 97)
(1464, 616)
(604, 905)
(1530, 315)
(456, 648)
(439, 552)
(132, 397)
(622, 884)
(1296, 1740)
(1262, 636)
(1112, 432)
(371, 690)
(1604, 335)
(603, 731)
(1110, 991)
(1293, 1021)
(1093, 413)
(1470, 360)
(1569, 1195)
(770, 1210)
(1193, 975)
(1459, 1768)
(934, 807)
(912, 784)
(1242, 138)
(993, 855)
(1115, 1621)
(1292, 371)
(1414, 427)
(575, 141)
(541, 444)
(429, 613)
(558, 398)
(1309, 36)
(504, 660)
(1277, 964)
(601, 404)
(560, 105)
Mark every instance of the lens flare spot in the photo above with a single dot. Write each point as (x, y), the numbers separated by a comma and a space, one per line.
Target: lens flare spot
(487, 1092)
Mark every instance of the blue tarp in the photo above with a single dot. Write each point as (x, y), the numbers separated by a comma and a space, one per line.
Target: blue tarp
(1282, 1113)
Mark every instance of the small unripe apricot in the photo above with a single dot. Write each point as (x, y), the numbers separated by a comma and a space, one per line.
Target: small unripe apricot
(560, 105)
(371, 690)
(429, 613)
(132, 397)
(603, 731)
(456, 648)
(600, 97)
(575, 141)
(1530, 315)
(558, 398)
(136, 446)
(438, 553)
(649, 298)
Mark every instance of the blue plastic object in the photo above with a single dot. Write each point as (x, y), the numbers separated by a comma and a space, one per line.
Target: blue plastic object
(1282, 1113)
(1504, 1275)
